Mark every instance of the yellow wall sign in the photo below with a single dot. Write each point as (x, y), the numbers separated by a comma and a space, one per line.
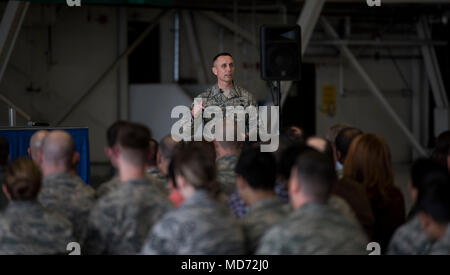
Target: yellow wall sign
(329, 99)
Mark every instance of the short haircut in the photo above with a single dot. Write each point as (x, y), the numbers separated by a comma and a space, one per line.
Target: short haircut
(113, 132)
(317, 175)
(435, 199)
(4, 151)
(288, 157)
(133, 141)
(58, 148)
(219, 55)
(36, 142)
(257, 168)
(23, 180)
(344, 140)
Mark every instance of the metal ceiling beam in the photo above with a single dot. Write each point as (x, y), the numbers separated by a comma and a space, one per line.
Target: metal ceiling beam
(373, 88)
(231, 26)
(9, 30)
(111, 68)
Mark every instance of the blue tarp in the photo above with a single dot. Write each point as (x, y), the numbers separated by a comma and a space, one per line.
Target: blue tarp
(19, 140)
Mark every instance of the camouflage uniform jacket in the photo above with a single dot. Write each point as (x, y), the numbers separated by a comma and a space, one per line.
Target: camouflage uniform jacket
(214, 96)
(201, 225)
(120, 221)
(70, 196)
(442, 247)
(409, 239)
(262, 215)
(225, 173)
(314, 229)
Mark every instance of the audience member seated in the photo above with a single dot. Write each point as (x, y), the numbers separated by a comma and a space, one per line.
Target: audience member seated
(4, 159)
(434, 214)
(256, 174)
(35, 147)
(410, 238)
(111, 138)
(26, 227)
(314, 227)
(202, 224)
(63, 191)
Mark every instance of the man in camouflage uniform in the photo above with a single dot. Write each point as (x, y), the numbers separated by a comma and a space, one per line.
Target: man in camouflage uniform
(256, 175)
(62, 191)
(314, 227)
(120, 220)
(35, 147)
(224, 93)
(25, 226)
(152, 172)
(111, 138)
(410, 239)
(202, 224)
(434, 213)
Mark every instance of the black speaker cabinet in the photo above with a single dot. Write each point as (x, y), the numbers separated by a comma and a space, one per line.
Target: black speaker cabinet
(280, 52)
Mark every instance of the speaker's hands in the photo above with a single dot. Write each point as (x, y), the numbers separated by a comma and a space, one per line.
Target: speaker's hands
(197, 109)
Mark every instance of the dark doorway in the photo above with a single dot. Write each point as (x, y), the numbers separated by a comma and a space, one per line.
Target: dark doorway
(144, 62)
(300, 109)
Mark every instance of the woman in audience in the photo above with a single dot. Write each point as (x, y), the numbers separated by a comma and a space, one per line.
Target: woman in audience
(202, 224)
(368, 162)
(25, 226)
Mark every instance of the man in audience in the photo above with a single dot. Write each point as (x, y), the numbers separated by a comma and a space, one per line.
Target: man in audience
(111, 138)
(4, 159)
(36, 141)
(287, 161)
(61, 190)
(27, 228)
(342, 144)
(331, 137)
(434, 214)
(119, 221)
(227, 153)
(320, 144)
(410, 238)
(313, 227)
(256, 175)
(150, 167)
